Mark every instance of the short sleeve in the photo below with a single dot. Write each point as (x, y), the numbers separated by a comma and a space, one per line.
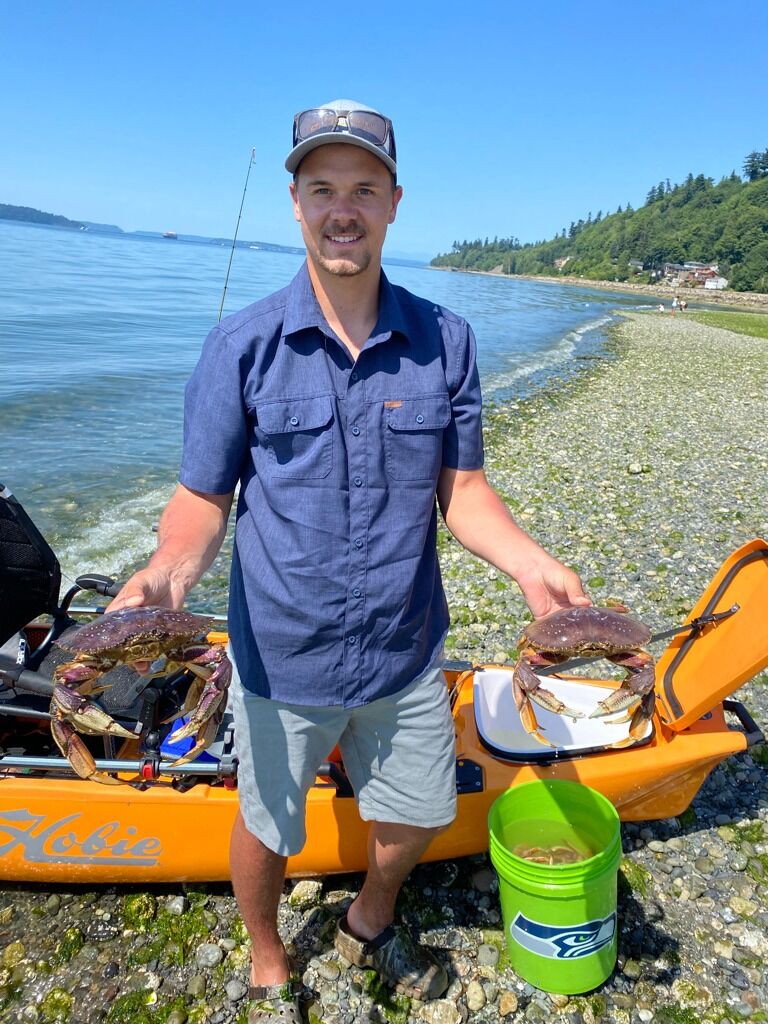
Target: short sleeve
(463, 438)
(215, 419)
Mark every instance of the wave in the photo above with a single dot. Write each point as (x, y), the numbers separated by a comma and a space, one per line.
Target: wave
(120, 539)
(526, 365)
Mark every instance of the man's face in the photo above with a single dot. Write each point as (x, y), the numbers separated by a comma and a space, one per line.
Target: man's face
(344, 200)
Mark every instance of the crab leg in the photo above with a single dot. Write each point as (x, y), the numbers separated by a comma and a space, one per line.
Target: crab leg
(87, 716)
(78, 755)
(213, 696)
(526, 687)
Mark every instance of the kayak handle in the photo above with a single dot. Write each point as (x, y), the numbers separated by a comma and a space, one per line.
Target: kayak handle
(754, 733)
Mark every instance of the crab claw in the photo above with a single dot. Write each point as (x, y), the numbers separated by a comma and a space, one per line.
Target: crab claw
(631, 692)
(212, 699)
(78, 755)
(87, 716)
(526, 687)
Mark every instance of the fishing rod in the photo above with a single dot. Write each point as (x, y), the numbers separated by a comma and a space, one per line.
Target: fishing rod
(251, 162)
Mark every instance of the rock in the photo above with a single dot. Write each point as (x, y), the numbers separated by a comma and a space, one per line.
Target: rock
(13, 954)
(306, 893)
(236, 990)
(508, 1003)
(475, 996)
(484, 880)
(209, 955)
(328, 970)
(632, 969)
(53, 904)
(742, 907)
(176, 1017)
(177, 905)
(440, 1011)
(487, 955)
(196, 986)
(559, 1000)
(634, 468)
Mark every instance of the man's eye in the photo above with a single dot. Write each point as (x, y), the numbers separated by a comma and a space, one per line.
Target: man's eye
(365, 191)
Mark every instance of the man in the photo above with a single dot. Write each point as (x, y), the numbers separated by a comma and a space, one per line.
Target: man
(342, 406)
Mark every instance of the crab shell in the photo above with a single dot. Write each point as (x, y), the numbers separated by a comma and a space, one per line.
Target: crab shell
(149, 627)
(574, 631)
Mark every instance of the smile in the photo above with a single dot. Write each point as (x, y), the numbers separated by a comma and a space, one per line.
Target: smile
(344, 239)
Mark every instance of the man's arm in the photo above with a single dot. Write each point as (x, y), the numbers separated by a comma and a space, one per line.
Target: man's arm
(190, 534)
(482, 523)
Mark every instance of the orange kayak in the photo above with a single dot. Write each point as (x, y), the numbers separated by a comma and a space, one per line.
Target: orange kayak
(174, 826)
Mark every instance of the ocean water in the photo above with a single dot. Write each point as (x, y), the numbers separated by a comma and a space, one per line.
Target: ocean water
(98, 334)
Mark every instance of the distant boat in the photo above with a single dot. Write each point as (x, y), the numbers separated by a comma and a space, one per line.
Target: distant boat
(170, 234)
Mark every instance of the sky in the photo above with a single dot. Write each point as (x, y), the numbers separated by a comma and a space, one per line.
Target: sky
(510, 118)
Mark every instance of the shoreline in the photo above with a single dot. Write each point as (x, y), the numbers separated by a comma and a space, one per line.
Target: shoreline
(755, 302)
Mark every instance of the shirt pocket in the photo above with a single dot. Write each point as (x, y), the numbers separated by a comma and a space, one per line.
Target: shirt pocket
(297, 435)
(413, 437)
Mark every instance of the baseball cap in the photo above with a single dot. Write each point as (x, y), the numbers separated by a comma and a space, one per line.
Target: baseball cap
(345, 121)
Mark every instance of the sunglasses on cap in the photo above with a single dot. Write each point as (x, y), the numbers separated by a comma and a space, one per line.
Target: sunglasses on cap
(364, 124)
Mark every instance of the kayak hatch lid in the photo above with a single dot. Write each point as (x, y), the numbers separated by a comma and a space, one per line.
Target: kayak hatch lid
(701, 667)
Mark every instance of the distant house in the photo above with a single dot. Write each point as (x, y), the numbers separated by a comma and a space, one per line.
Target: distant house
(559, 264)
(692, 274)
(635, 265)
(716, 282)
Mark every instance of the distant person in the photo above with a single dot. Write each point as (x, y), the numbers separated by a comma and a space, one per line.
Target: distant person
(341, 406)
(674, 305)
(683, 305)
(661, 307)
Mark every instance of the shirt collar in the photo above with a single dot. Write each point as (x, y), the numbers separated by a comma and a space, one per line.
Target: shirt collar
(302, 309)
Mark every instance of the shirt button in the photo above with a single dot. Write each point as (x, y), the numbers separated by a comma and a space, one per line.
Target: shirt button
(419, 418)
(352, 640)
(358, 543)
(356, 592)
(358, 482)
(355, 431)
(353, 375)
(294, 420)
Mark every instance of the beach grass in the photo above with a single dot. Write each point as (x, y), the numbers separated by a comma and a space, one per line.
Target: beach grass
(753, 324)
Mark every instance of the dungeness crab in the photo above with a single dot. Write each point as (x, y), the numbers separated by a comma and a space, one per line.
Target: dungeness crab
(587, 631)
(153, 641)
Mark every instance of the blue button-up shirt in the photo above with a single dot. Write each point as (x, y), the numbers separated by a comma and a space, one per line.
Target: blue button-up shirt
(336, 596)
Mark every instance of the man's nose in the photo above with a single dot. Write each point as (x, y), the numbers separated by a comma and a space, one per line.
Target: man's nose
(344, 207)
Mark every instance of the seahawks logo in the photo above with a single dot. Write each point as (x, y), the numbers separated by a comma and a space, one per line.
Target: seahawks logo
(563, 942)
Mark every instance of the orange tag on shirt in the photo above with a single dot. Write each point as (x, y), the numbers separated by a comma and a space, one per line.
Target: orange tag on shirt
(392, 405)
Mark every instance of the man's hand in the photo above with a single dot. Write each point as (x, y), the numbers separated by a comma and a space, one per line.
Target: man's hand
(149, 586)
(549, 586)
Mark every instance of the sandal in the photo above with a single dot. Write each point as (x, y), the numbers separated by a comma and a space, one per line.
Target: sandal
(400, 962)
(275, 1004)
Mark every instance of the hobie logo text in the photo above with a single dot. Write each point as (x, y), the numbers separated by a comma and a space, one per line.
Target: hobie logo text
(60, 841)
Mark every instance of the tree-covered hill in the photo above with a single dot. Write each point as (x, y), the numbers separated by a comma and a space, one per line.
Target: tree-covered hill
(698, 220)
(32, 216)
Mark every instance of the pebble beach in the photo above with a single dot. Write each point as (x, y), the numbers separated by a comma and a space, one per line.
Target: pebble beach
(643, 472)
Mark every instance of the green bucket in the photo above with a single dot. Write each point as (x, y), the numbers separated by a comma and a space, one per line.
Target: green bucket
(559, 919)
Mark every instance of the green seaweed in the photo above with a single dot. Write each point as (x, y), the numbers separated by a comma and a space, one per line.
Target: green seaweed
(688, 818)
(174, 936)
(56, 1006)
(137, 1008)
(139, 910)
(676, 1015)
(69, 946)
(634, 876)
(395, 1008)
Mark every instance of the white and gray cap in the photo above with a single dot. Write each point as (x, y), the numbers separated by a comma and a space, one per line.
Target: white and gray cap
(345, 121)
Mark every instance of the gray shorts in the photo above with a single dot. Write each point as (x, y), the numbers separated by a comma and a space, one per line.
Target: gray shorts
(399, 754)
